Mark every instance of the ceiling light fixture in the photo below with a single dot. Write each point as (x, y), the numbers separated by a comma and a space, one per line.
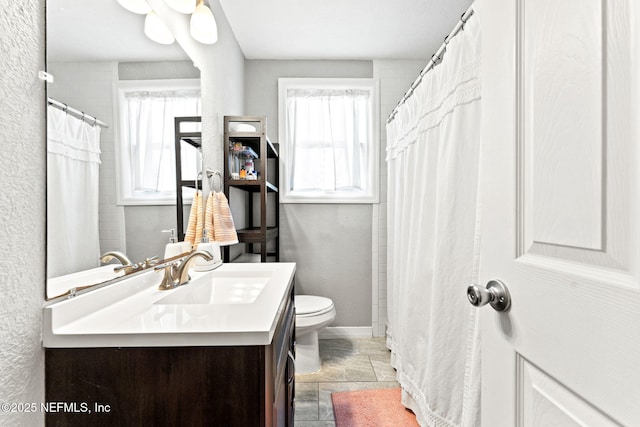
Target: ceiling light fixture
(203, 27)
(136, 6)
(203, 24)
(155, 29)
(182, 6)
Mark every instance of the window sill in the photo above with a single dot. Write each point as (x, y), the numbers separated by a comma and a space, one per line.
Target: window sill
(151, 201)
(329, 198)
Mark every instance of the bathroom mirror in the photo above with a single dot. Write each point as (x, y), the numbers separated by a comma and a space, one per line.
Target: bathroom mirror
(92, 47)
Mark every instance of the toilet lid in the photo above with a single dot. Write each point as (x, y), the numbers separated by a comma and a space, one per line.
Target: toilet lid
(311, 304)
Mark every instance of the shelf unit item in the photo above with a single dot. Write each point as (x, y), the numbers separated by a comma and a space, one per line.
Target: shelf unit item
(245, 138)
(193, 138)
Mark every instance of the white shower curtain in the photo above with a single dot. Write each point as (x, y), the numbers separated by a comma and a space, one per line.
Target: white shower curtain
(433, 238)
(73, 159)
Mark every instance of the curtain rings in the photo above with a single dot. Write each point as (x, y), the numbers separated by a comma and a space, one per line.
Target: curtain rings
(464, 21)
(408, 94)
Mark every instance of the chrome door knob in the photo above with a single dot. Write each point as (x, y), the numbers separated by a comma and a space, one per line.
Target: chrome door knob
(496, 294)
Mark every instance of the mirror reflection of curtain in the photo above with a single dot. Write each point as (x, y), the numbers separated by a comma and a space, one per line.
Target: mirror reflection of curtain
(73, 160)
(150, 133)
(329, 137)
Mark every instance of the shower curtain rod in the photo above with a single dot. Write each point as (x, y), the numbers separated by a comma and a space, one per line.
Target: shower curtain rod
(77, 113)
(436, 58)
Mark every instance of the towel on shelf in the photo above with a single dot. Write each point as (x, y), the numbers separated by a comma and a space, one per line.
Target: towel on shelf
(196, 222)
(219, 222)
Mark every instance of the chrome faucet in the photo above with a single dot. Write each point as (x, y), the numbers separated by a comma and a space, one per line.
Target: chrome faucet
(177, 273)
(108, 256)
(127, 265)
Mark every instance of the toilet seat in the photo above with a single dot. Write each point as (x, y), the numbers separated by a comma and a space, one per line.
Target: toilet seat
(312, 314)
(311, 305)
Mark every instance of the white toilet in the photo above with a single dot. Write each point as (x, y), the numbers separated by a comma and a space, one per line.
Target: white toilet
(312, 314)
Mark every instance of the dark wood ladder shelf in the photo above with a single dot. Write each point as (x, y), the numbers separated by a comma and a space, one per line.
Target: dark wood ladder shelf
(255, 145)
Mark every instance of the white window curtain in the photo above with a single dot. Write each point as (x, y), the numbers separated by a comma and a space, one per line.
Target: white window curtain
(73, 162)
(329, 138)
(149, 133)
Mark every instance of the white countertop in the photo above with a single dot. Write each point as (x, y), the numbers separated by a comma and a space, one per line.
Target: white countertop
(134, 313)
(59, 285)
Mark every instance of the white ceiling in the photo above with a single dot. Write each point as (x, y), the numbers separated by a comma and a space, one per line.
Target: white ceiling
(342, 29)
(101, 30)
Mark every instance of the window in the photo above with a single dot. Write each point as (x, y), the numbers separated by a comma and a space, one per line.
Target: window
(145, 154)
(328, 134)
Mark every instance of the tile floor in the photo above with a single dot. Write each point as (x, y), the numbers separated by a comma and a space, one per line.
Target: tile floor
(347, 364)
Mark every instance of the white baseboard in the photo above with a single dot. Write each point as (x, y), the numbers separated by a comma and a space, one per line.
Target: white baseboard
(346, 332)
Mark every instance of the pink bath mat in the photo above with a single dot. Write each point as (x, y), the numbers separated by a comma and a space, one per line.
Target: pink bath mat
(371, 408)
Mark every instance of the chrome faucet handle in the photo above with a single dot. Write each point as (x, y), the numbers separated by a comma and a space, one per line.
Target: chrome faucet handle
(128, 268)
(149, 262)
(168, 280)
(182, 272)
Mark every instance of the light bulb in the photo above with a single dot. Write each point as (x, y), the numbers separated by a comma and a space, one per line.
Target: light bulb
(203, 25)
(136, 6)
(182, 6)
(155, 29)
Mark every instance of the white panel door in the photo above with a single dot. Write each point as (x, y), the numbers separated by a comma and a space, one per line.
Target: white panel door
(561, 211)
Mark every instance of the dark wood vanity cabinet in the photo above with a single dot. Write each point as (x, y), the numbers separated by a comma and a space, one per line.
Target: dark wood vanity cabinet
(226, 386)
(283, 348)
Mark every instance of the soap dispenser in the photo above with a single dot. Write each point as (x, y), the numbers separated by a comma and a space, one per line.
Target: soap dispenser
(173, 248)
(214, 249)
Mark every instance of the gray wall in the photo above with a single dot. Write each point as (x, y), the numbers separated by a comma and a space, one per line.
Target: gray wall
(22, 207)
(153, 70)
(331, 243)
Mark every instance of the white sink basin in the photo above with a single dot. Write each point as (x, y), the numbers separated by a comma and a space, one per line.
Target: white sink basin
(220, 288)
(236, 304)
